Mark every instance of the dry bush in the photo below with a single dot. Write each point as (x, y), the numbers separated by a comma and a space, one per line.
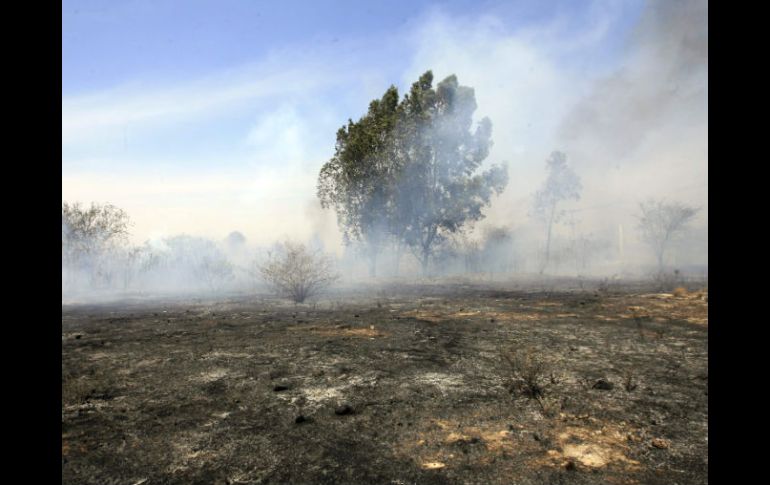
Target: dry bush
(550, 406)
(680, 292)
(296, 272)
(630, 381)
(665, 281)
(529, 370)
(604, 286)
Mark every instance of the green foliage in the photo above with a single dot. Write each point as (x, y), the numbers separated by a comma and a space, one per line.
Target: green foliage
(408, 170)
(355, 181)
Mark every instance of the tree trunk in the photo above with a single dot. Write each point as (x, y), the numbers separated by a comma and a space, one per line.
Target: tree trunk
(426, 249)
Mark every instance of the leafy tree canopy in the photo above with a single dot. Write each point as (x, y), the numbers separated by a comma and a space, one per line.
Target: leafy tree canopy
(408, 170)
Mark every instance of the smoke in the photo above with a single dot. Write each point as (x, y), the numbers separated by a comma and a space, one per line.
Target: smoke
(643, 130)
(621, 88)
(634, 124)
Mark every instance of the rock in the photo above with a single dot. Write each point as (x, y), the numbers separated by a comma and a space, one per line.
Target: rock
(279, 388)
(603, 385)
(300, 419)
(570, 466)
(660, 443)
(343, 410)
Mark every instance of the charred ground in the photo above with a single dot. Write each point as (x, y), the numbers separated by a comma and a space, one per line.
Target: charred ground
(413, 385)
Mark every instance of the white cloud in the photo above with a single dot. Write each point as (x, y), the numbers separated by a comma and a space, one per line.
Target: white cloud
(86, 118)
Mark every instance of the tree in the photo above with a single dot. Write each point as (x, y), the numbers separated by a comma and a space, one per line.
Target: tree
(438, 154)
(298, 273)
(407, 170)
(90, 238)
(87, 231)
(661, 222)
(358, 178)
(561, 184)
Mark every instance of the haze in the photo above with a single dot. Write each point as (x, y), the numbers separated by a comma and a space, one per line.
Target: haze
(208, 117)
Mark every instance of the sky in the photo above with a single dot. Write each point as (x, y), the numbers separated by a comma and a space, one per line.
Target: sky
(204, 117)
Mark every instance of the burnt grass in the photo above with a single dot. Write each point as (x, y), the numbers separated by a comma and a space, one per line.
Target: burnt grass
(409, 386)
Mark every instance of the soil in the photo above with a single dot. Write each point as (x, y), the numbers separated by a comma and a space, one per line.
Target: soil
(443, 383)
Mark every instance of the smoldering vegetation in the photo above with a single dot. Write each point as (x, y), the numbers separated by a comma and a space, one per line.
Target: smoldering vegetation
(98, 262)
(419, 191)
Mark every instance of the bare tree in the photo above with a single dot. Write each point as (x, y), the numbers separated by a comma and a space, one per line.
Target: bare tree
(85, 231)
(298, 273)
(90, 237)
(661, 222)
(562, 184)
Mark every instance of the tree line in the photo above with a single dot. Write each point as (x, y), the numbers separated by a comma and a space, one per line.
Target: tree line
(407, 176)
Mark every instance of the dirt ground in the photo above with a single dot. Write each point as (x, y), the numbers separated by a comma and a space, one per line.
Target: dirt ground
(450, 383)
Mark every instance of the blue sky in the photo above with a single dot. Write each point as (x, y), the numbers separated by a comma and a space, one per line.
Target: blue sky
(108, 43)
(209, 116)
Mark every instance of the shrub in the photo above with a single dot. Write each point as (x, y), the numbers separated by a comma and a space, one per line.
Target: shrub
(665, 281)
(298, 273)
(529, 370)
(680, 292)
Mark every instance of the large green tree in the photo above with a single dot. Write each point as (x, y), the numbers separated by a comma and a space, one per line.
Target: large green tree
(358, 180)
(409, 170)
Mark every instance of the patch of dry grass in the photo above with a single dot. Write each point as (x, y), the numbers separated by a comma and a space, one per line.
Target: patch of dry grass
(679, 292)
